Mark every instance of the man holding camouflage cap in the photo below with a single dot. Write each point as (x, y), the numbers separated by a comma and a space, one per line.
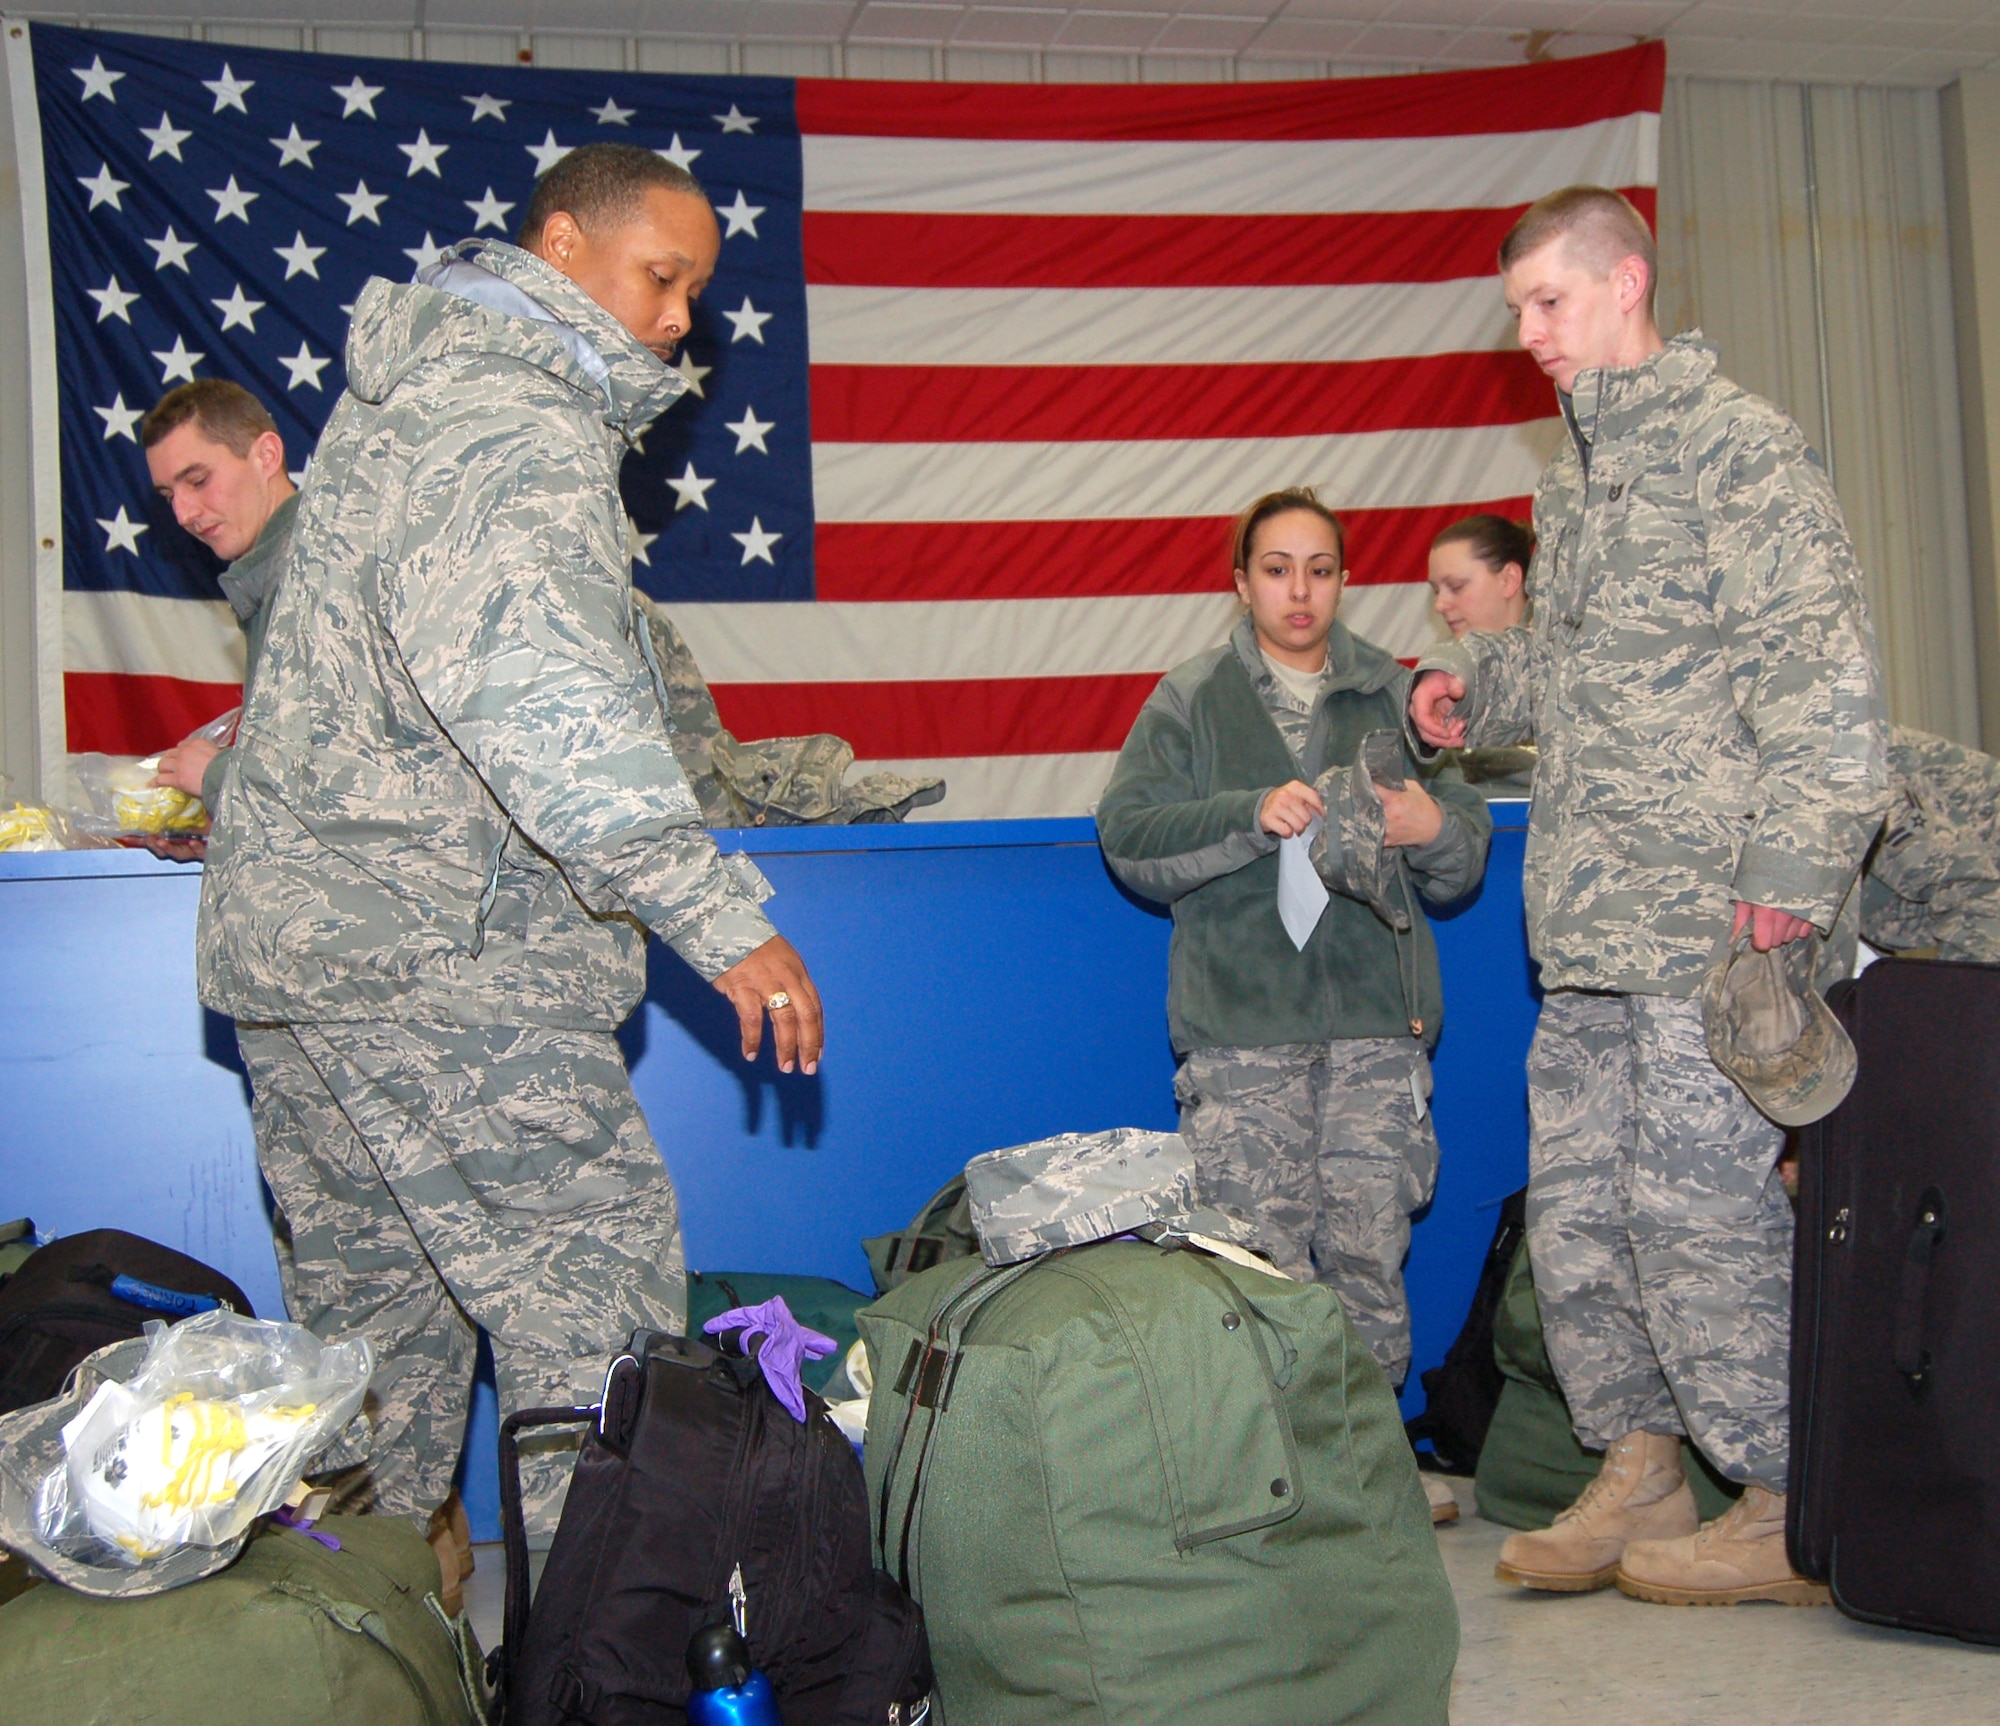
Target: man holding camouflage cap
(453, 813)
(1701, 680)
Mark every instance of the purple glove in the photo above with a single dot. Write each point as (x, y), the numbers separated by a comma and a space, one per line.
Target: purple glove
(787, 1345)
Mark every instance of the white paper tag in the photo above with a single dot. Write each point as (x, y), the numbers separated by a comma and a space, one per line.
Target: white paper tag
(1417, 1092)
(1302, 895)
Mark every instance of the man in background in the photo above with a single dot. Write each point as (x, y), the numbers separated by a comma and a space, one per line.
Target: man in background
(1700, 678)
(215, 455)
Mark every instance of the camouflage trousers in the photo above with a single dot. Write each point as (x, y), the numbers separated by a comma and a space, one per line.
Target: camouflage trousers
(1660, 1233)
(434, 1180)
(1320, 1148)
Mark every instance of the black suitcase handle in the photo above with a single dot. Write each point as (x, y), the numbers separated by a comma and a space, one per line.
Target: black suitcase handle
(514, 1536)
(1913, 1360)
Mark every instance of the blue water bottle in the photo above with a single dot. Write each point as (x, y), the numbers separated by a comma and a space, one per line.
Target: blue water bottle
(728, 1691)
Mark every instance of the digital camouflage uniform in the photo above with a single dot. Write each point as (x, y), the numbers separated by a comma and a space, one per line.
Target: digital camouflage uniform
(248, 584)
(1701, 682)
(1300, 1089)
(776, 781)
(451, 816)
(1933, 879)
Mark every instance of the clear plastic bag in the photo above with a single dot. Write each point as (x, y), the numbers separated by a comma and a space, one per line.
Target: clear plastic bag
(210, 1432)
(123, 802)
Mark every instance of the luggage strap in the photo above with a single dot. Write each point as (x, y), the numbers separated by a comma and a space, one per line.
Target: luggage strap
(1912, 1359)
(925, 1381)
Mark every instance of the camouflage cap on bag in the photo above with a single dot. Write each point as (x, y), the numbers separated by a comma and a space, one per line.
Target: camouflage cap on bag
(1769, 1029)
(1081, 1187)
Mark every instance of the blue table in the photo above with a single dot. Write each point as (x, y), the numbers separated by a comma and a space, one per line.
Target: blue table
(986, 983)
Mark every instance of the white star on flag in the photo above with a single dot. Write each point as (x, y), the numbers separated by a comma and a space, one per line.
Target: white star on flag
(119, 420)
(103, 189)
(741, 216)
(362, 203)
(303, 367)
(750, 431)
(423, 155)
(232, 200)
(488, 212)
(177, 362)
(679, 154)
(357, 98)
(613, 115)
(293, 148)
(757, 543)
(425, 255)
(166, 138)
(97, 81)
(639, 543)
(736, 120)
(690, 488)
(237, 310)
(228, 89)
(121, 532)
(300, 258)
(548, 152)
(112, 300)
(748, 321)
(694, 374)
(172, 251)
(489, 107)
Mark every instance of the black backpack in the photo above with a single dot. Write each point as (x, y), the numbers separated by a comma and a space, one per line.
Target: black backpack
(691, 1470)
(1462, 1391)
(83, 1292)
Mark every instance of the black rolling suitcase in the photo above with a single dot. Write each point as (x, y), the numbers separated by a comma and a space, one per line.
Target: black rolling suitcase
(1895, 1476)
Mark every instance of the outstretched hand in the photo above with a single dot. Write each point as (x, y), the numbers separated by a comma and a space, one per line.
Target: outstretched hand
(1768, 926)
(754, 982)
(1432, 698)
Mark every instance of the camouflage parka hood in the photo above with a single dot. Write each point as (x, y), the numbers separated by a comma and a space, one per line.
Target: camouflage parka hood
(454, 795)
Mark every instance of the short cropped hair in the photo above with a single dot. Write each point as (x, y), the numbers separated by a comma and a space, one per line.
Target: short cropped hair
(602, 186)
(227, 414)
(1601, 226)
(1275, 503)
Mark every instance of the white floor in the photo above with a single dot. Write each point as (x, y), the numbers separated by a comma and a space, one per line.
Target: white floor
(1550, 1659)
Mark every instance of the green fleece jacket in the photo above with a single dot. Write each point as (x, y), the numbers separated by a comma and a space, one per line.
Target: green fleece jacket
(1178, 823)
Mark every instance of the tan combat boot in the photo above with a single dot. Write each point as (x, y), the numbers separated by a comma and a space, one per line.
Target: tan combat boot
(1639, 1494)
(1739, 1556)
(1443, 1501)
(450, 1538)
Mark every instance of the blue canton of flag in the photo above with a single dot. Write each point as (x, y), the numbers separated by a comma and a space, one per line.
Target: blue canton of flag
(213, 212)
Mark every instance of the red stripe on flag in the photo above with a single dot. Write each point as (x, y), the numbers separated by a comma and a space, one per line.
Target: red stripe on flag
(123, 714)
(1055, 404)
(987, 716)
(882, 561)
(1544, 95)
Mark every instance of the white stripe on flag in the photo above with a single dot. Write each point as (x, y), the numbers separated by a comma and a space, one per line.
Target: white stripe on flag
(1006, 787)
(956, 640)
(1193, 327)
(1192, 477)
(902, 641)
(142, 635)
(1060, 177)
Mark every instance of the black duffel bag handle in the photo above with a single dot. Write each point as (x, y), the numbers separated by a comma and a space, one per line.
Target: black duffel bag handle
(514, 1537)
(1912, 1359)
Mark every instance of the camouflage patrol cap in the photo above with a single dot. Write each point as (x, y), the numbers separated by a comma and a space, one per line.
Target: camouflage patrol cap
(1081, 1187)
(1769, 1029)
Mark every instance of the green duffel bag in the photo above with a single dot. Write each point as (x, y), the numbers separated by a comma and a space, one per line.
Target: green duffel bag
(941, 1230)
(290, 1632)
(1531, 1466)
(1134, 1482)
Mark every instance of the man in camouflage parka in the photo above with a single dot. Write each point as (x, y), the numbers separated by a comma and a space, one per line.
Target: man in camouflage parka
(1701, 681)
(1933, 879)
(451, 817)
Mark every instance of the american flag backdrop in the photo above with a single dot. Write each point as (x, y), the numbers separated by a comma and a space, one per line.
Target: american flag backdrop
(982, 376)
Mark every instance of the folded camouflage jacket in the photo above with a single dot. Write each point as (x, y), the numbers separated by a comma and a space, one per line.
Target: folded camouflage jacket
(1178, 824)
(1699, 677)
(453, 794)
(774, 781)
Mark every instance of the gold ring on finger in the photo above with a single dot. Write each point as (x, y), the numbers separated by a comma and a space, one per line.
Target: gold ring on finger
(778, 1002)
